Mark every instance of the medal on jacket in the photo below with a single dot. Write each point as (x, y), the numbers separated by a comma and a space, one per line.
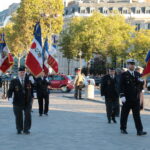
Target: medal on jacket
(16, 88)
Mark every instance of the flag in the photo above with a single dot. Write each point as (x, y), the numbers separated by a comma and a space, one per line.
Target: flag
(50, 60)
(34, 60)
(45, 57)
(146, 71)
(6, 58)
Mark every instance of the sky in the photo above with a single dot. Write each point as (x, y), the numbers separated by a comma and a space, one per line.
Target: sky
(4, 4)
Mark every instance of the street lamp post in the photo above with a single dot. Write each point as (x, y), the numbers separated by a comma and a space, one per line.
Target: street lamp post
(80, 54)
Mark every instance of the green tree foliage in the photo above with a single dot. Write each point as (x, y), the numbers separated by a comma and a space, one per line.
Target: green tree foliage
(141, 45)
(98, 34)
(19, 33)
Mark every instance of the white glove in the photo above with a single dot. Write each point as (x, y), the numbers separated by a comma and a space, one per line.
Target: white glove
(31, 79)
(123, 99)
(10, 100)
(47, 80)
(140, 79)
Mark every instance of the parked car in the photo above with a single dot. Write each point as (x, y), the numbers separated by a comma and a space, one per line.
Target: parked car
(60, 81)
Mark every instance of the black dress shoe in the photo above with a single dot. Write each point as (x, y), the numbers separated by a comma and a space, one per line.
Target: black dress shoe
(109, 121)
(124, 131)
(114, 120)
(46, 114)
(19, 132)
(27, 132)
(40, 115)
(140, 133)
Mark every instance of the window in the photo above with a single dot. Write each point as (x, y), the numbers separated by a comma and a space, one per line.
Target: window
(138, 11)
(147, 11)
(58, 77)
(62, 78)
(73, 10)
(105, 11)
(138, 27)
(79, 10)
(50, 78)
(125, 11)
(148, 26)
(88, 10)
(66, 12)
(83, 11)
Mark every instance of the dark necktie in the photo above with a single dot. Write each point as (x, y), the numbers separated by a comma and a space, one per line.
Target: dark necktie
(22, 81)
(132, 73)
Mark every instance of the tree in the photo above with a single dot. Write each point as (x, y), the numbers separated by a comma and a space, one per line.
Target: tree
(141, 45)
(19, 33)
(107, 36)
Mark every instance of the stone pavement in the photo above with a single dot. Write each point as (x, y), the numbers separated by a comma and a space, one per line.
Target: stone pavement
(71, 125)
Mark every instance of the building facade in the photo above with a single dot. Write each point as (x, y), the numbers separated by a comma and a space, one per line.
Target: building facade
(6, 14)
(136, 13)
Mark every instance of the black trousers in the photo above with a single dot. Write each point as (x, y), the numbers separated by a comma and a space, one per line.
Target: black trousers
(23, 117)
(111, 108)
(117, 107)
(41, 100)
(78, 92)
(135, 107)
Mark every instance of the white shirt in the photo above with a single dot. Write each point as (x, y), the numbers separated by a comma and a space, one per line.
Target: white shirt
(20, 79)
(131, 72)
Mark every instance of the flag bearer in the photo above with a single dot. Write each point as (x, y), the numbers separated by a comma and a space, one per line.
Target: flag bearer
(130, 89)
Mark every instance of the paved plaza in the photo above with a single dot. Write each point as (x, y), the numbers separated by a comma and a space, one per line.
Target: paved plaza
(71, 125)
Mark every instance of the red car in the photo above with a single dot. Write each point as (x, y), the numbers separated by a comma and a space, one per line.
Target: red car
(60, 81)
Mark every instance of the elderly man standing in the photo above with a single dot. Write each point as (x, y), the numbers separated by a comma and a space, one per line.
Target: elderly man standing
(20, 94)
(131, 85)
(43, 94)
(109, 90)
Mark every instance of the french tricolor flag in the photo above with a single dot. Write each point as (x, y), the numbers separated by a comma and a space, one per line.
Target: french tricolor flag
(50, 59)
(6, 58)
(45, 57)
(34, 60)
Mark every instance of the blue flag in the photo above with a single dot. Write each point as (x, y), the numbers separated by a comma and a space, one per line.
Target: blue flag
(147, 57)
(2, 42)
(38, 33)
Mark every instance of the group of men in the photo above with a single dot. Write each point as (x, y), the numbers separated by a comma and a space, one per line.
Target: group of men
(21, 94)
(128, 86)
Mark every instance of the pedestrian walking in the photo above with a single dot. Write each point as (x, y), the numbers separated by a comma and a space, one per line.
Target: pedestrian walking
(131, 85)
(110, 92)
(42, 84)
(20, 94)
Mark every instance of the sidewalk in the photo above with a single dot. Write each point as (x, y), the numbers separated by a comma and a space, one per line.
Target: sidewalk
(71, 125)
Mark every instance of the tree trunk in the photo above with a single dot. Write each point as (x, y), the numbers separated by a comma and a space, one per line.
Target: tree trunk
(88, 67)
(68, 66)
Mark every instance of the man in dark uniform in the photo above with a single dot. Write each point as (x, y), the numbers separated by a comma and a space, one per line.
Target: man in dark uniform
(42, 84)
(130, 89)
(20, 94)
(30, 77)
(109, 91)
